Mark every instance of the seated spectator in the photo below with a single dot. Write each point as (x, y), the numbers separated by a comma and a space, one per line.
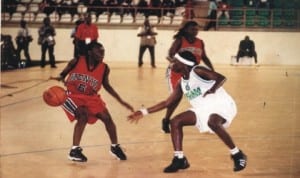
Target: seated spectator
(96, 6)
(143, 7)
(155, 7)
(112, 6)
(246, 48)
(48, 6)
(180, 3)
(9, 6)
(127, 8)
(223, 9)
(169, 7)
(211, 15)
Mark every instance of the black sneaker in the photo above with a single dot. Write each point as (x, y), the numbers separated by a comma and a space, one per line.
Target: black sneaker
(240, 161)
(117, 152)
(165, 125)
(177, 164)
(76, 155)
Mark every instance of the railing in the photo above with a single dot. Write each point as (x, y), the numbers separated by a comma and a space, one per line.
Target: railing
(240, 18)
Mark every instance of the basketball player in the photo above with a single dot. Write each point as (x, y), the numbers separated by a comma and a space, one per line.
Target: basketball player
(185, 40)
(212, 109)
(86, 75)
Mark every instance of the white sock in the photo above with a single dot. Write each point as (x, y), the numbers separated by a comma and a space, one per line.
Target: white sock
(74, 147)
(234, 151)
(114, 145)
(179, 154)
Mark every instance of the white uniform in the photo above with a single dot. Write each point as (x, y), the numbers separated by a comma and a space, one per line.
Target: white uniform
(219, 102)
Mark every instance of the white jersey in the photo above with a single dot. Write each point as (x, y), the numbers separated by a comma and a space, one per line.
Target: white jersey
(219, 102)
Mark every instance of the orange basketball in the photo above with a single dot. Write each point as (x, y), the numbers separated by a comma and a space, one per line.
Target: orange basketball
(55, 96)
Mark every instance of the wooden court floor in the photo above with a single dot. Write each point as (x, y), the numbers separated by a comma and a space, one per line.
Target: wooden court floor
(35, 138)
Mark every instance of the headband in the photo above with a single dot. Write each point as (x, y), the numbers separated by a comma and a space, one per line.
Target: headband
(184, 61)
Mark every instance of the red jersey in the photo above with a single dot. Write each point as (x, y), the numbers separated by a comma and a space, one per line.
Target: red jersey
(85, 31)
(196, 48)
(82, 81)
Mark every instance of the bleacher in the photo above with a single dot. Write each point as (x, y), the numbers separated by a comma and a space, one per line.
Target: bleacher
(284, 15)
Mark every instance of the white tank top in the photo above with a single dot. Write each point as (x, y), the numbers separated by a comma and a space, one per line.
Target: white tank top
(195, 87)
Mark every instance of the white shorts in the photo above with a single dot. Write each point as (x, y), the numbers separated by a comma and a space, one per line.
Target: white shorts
(227, 109)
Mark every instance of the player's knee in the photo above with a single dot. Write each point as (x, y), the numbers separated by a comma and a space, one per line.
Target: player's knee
(175, 123)
(214, 122)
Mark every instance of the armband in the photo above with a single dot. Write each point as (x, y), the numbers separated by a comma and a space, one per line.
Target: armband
(144, 111)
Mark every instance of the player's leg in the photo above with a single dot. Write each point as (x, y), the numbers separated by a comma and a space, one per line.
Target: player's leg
(152, 55)
(44, 48)
(179, 161)
(216, 122)
(141, 54)
(173, 79)
(110, 127)
(81, 115)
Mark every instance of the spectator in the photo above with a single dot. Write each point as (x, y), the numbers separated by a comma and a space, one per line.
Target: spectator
(22, 40)
(155, 6)
(112, 7)
(86, 33)
(148, 41)
(168, 7)
(9, 57)
(47, 42)
(142, 7)
(180, 3)
(212, 15)
(9, 6)
(246, 48)
(48, 6)
(127, 8)
(96, 6)
(74, 30)
(223, 9)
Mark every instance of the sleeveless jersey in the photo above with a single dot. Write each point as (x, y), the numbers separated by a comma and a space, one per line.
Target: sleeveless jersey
(82, 81)
(195, 87)
(196, 47)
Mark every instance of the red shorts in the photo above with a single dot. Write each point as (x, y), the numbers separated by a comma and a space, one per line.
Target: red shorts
(93, 103)
(173, 79)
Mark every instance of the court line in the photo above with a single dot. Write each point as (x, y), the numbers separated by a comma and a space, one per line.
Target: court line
(152, 142)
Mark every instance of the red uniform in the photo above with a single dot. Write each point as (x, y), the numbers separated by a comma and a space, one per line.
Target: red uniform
(85, 31)
(196, 48)
(82, 90)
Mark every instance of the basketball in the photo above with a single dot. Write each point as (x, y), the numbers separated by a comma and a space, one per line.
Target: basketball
(55, 96)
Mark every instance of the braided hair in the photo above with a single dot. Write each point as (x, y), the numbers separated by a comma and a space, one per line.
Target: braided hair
(182, 31)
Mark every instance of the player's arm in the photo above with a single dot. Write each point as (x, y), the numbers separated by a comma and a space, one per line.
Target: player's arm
(66, 70)
(174, 49)
(207, 74)
(173, 99)
(205, 59)
(111, 90)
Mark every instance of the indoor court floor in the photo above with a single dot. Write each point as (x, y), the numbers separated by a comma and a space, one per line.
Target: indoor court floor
(36, 138)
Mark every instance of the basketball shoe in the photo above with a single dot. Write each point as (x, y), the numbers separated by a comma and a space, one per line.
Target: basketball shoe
(165, 125)
(177, 164)
(76, 155)
(118, 152)
(240, 161)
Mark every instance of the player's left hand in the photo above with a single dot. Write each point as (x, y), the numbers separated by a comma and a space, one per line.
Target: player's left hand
(135, 117)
